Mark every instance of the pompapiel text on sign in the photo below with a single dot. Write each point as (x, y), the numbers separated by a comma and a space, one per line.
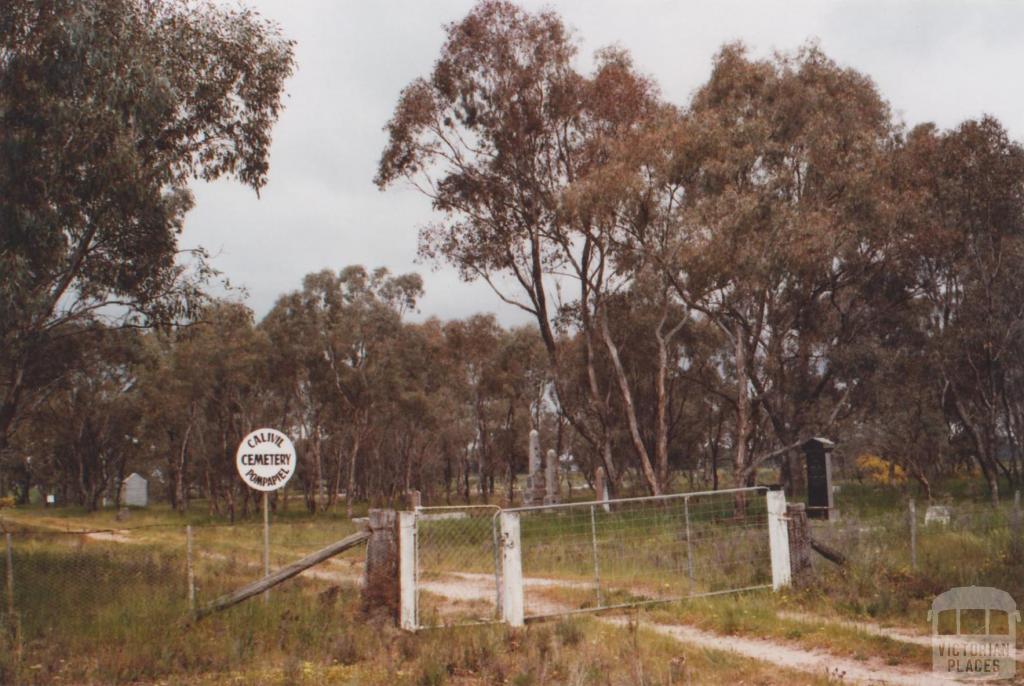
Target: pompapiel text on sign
(265, 459)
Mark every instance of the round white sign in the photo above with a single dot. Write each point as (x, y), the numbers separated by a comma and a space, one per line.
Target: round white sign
(265, 459)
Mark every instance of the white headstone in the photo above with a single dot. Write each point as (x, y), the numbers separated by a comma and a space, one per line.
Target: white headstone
(135, 491)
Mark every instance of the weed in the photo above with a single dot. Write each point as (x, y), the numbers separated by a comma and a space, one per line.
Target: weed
(569, 631)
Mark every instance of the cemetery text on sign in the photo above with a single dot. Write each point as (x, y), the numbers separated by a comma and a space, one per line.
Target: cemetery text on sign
(265, 459)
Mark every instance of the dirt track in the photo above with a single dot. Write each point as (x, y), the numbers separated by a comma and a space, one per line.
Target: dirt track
(477, 587)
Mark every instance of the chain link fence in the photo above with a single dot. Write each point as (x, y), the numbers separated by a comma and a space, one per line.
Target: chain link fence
(457, 565)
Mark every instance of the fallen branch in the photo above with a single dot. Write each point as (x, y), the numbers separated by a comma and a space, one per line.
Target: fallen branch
(283, 574)
(830, 554)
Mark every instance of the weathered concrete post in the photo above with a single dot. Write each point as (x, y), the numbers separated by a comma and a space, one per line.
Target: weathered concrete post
(799, 544)
(534, 493)
(512, 599)
(778, 540)
(381, 581)
(551, 479)
(407, 571)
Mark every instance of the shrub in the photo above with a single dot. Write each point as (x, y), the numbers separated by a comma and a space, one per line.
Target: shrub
(878, 470)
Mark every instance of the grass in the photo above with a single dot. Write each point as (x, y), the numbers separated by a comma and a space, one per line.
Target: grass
(109, 620)
(94, 611)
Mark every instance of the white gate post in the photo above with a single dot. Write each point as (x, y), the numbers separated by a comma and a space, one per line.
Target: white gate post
(778, 540)
(407, 570)
(511, 570)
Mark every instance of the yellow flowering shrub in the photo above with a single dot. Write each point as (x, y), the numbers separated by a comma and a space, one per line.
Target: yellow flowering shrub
(878, 470)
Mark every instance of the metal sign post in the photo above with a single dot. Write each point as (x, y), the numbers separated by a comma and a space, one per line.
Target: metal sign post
(266, 461)
(266, 541)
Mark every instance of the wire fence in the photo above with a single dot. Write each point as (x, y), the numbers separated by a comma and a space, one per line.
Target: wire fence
(928, 549)
(591, 556)
(65, 590)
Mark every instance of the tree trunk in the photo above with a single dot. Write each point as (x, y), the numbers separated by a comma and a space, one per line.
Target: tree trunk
(630, 410)
(741, 470)
(661, 411)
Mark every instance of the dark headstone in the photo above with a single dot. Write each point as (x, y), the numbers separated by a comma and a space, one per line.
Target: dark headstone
(817, 452)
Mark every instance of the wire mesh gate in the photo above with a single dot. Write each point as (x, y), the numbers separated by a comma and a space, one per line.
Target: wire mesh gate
(456, 568)
(583, 557)
(591, 556)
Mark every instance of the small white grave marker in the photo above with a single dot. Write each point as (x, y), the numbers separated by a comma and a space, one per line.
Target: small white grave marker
(936, 514)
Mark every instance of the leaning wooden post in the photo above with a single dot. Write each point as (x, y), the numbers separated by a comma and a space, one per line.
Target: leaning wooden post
(283, 574)
(407, 570)
(778, 539)
(381, 583)
(512, 602)
(799, 544)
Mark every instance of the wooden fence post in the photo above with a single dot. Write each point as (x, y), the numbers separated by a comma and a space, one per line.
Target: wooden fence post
(799, 544)
(10, 575)
(1016, 540)
(778, 540)
(414, 500)
(12, 615)
(912, 515)
(190, 567)
(381, 584)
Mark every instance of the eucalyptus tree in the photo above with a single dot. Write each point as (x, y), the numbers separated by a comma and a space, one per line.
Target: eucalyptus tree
(497, 133)
(340, 329)
(204, 394)
(107, 110)
(85, 433)
(787, 237)
(965, 190)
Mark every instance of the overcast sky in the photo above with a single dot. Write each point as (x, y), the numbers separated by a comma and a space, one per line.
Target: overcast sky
(933, 61)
